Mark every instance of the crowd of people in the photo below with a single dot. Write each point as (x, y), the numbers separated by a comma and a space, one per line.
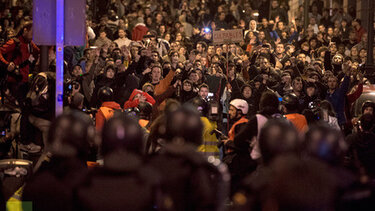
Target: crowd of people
(159, 117)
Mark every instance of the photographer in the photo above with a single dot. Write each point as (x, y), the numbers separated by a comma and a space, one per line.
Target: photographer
(78, 81)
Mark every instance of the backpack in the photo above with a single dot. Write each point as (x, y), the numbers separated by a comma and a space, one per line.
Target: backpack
(40, 97)
(261, 121)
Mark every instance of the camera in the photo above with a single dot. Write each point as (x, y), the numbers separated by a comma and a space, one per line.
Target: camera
(207, 30)
(213, 110)
(69, 85)
(90, 111)
(314, 113)
(132, 112)
(179, 75)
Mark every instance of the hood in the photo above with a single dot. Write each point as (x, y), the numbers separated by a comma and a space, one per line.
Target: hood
(254, 30)
(134, 93)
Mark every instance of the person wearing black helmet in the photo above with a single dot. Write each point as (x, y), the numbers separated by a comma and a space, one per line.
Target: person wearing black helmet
(328, 145)
(69, 141)
(124, 181)
(360, 159)
(368, 107)
(156, 136)
(107, 108)
(277, 137)
(291, 183)
(290, 106)
(190, 181)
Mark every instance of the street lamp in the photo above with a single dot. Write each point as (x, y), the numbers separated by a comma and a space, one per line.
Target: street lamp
(369, 65)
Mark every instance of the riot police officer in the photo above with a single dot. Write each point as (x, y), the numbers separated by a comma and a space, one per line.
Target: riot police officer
(69, 140)
(189, 182)
(124, 181)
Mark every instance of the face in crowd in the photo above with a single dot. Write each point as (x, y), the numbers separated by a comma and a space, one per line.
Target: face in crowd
(203, 92)
(156, 74)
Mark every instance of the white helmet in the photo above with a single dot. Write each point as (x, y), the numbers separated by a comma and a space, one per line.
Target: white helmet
(240, 104)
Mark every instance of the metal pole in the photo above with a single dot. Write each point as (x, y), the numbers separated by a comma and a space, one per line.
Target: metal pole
(59, 56)
(44, 58)
(227, 103)
(306, 15)
(369, 66)
(370, 29)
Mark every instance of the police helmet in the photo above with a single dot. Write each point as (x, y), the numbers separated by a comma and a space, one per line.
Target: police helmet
(290, 101)
(105, 94)
(278, 136)
(366, 104)
(122, 132)
(71, 135)
(325, 143)
(184, 124)
(145, 110)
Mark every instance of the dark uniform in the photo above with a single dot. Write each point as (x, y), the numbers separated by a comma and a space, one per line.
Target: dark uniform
(189, 181)
(53, 187)
(124, 182)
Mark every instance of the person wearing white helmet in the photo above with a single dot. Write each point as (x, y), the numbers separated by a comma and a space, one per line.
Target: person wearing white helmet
(238, 109)
(233, 157)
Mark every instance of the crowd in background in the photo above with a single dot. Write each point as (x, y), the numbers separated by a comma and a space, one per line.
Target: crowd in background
(279, 104)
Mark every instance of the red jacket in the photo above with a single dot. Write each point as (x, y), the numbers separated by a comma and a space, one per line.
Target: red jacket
(131, 103)
(6, 54)
(104, 113)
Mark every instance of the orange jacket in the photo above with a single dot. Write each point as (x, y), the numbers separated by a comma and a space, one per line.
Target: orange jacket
(104, 113)
(231, 133)
(299, 121)
(143, 122)
(162, 87)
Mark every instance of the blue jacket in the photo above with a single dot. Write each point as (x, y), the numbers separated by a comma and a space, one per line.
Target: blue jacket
(337, 99)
